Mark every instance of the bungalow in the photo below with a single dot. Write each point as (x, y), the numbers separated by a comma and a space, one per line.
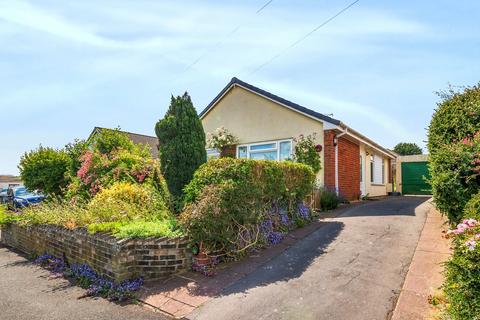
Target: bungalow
(266, 126)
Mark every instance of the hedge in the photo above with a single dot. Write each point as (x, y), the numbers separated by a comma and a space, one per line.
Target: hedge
(236, 204)
(457, 117)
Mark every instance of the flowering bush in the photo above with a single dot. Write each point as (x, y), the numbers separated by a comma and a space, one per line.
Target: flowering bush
(236, 205)
(113, 157)
(220, 138)
(462, 284)
(84, 276)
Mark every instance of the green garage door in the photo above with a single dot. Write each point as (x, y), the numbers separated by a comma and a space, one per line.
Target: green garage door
(413, 174)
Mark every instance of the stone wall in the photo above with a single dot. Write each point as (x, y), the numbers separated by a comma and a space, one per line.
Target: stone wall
(152, 258)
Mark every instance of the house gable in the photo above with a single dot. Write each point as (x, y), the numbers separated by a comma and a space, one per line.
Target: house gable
(255, 118)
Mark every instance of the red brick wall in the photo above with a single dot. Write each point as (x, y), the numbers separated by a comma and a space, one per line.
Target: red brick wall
(348, 169)
(329, 159)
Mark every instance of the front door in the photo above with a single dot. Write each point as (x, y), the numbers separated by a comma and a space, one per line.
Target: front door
(362, 176)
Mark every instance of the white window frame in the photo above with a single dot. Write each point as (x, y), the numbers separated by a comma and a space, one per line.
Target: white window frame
(276, 148)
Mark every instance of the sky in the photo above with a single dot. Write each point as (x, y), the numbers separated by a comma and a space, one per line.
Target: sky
(68, 66)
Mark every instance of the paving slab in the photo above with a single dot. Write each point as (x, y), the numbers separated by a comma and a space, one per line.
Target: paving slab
(424, 276)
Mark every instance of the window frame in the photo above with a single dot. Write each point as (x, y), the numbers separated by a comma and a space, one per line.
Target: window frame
(276, 148)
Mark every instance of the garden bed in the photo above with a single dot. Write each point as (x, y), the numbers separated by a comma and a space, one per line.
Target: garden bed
(117, 259)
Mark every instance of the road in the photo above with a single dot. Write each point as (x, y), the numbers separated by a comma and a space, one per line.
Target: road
(351, 268)
(29, 292)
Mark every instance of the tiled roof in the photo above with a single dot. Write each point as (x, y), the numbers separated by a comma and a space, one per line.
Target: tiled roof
(271, 96)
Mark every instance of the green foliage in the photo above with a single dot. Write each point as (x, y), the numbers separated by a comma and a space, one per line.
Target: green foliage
(407, 149)
(6, 218)
(182, 144)
(228, 199)
(462, 270)
(44, 169)
(75, 150)
(329, 199)
(306, 153)
(122, 202)
(455, 176)
(456, 117)
(139, 228)
(108, 140)
(124, 161)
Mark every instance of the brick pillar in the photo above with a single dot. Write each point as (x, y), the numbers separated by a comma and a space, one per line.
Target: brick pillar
(329, 159)
(229, 152)
(348, 169)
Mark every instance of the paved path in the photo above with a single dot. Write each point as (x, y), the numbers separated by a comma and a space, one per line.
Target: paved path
(425, 273)
(29, 292)
(353, 267)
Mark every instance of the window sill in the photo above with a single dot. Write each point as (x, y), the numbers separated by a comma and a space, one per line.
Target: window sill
(378, 184)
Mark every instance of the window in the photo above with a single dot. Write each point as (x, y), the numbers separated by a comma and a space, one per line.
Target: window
(377, 169)
(272, 150)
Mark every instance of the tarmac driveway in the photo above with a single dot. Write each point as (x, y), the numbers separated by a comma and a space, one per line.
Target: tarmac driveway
(353, 267)
(29, 292)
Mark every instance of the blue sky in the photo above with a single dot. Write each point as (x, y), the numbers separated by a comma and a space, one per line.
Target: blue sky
(67, 66)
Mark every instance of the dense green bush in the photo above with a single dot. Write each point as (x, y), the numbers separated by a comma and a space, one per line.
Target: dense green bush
(182, 145)
(329, 199)
(454, 169)
(44, 169)
(407, 149)
(462, 270)
(236, 204)
(456, 117)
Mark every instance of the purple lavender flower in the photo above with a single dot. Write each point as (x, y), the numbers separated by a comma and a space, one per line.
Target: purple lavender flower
(303, 210)
(275, 237)
(284, 219)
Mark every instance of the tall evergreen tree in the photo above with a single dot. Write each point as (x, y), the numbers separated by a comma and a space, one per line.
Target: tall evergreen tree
(181, 144)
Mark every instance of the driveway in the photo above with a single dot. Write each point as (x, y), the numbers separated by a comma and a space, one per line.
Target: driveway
(352, 267)
(29, 292)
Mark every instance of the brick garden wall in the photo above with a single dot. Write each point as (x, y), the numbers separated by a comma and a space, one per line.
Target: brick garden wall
(114, 258)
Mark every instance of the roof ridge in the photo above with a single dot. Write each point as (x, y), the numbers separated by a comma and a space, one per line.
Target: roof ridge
(278, 99)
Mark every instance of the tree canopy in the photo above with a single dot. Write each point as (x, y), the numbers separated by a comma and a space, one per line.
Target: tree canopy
(407, 149)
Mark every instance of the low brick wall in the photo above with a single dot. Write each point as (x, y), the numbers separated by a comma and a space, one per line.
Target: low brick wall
(117, 259)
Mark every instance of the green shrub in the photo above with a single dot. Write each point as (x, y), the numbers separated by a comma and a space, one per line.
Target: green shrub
(456, 117)
(182, 145)
(139, 229)
(236, 204)
(454, 172)
(462, 270)
(329, 199)
(306, 152)
(44, 169)
(122, 202)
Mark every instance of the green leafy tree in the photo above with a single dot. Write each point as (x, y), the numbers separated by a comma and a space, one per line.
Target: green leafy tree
(181, 144)
(456, 117)
(407, 149)
(44, 169)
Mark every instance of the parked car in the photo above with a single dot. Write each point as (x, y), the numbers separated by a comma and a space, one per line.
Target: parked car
(24, 198)
(3, 195)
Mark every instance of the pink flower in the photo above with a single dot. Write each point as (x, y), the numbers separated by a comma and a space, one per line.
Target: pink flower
(477, 236)
(471, 244)
(470, 222)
